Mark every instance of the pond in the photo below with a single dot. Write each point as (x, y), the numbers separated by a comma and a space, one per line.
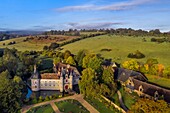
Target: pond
(29, 93)
(41, 93)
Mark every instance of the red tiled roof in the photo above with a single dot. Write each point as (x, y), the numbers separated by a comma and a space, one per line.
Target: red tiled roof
(50, 76)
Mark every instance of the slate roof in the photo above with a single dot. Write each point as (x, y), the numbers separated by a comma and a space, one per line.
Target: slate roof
(123, 75)
(36, 75)
(62, 68)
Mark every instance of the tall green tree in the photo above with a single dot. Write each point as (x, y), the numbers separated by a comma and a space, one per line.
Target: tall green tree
(80, 55)
(88, 83)
(108, 80)
(95, 63)
(10, 61)
(70, 60)
(56, 60)
(10, 94)
(86, 60)
(67, 53)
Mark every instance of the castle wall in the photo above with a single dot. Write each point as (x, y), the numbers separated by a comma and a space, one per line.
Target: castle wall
(75, 80)
(49, 84)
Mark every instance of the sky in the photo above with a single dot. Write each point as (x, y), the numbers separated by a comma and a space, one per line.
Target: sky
(84, 14)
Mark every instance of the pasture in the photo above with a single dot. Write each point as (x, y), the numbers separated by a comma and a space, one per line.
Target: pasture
(35, 43)
(120, 46)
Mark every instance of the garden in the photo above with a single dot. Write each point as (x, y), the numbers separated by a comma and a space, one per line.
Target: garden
(71, 106)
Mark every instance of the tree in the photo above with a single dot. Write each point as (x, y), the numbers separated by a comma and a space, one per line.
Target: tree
(81, 54)
(56, 60)
(95, 63)
(88, 83)
(70, 60)
(147, 106)
(45, 48)
(67, 53)
(10, 94)
(151, 62)
(53, 46)
(131, 64)
(86, 60)
(160, 69)
(166, 72)
(10, 61)
(108, 80)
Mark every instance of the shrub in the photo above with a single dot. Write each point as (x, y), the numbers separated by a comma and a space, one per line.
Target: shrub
(47, 98)
(40, 99)
(137, 54)
(105, 49)
(153, 39)
(45, 48)
(34, 101)
(53, 46)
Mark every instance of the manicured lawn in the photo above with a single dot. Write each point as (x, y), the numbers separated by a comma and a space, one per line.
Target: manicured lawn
(71, 106)
(42, 109)
(159, 80)
(100, 106)
(121, 46)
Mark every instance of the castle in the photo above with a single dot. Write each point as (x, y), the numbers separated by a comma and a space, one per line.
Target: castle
(63, 78)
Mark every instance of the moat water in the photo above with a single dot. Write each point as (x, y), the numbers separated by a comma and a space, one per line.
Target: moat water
(42, 93)
(29, 93)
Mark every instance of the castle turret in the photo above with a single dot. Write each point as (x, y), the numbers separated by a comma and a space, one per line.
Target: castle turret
(35, 80)
(71, 81)
(54, 68)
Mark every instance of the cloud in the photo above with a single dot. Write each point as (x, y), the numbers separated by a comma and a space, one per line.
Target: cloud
(93, 25)
(5, 29)
(113, 7)
(42, 28)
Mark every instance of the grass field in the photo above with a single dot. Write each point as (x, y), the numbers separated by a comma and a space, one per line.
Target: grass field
(100, 106)
(71, 106)
(35, 43)
(22, 46)
(42, 109)
(88, 33)
(121, 46)
(159, 80)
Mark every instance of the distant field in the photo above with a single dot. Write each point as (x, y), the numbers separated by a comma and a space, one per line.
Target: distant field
(35, 43)
(88, 33)
(121, 46)
(22, 46)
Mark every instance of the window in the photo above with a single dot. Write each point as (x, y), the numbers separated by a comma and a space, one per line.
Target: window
(53, 83)
(45, 83)
(41, 84)
(50, 83)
